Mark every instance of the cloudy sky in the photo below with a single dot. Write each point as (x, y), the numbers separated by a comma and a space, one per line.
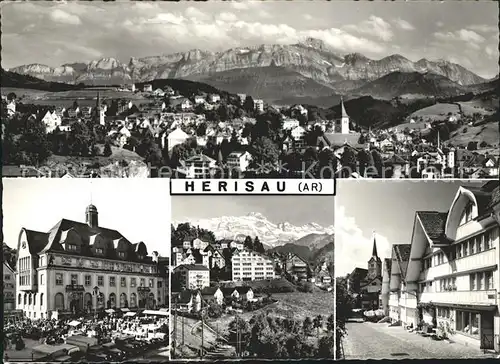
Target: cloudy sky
(297, 210)
(387, 208)
(137, 208)
(52, 33)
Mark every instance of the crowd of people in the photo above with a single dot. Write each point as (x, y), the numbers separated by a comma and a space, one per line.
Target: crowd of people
(56, 331)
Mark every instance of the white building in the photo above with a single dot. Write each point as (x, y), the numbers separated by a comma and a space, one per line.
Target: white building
(258, 105)
(453, 266)
(51, 121)
(176, 137)
(9, 287)
(289, 124)
(192, 276)
(248, 265)
(239, 161)
(78, 267)
(199, 166)
(213, 98)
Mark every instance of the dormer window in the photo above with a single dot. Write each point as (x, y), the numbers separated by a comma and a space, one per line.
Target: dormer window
(71, 247)
(121, 254)
(99, 250)
(141, 256)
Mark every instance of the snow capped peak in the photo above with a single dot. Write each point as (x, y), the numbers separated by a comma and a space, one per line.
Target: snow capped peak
(256, 224)
(257, 215)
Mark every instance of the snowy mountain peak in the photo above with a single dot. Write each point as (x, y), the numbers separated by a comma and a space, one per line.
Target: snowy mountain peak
(256, 224)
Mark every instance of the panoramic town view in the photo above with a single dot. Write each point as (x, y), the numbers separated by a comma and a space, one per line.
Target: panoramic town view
(88, 281)
(424, 285)
(250, 89)
(252, 277)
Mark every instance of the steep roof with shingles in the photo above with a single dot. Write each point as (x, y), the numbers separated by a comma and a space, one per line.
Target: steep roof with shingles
(402, 253)
(388, 265)
(433, 224)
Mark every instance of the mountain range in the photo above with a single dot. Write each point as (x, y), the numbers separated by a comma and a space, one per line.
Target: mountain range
(269, 233)
(272, 72)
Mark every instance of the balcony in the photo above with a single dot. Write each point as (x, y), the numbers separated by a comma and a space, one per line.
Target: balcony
(480, 298)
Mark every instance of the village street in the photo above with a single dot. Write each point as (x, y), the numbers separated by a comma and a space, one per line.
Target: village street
(366, 340)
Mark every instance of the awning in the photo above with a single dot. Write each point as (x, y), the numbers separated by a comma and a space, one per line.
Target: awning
(124, 309)
(74, 323)
(130, 314)
(157, 313)
(110, 311)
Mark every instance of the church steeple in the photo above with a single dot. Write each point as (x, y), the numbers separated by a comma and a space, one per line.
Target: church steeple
(344, 113)
(98, 102)
(374, 251)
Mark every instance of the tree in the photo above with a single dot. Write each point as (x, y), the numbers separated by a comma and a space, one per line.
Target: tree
(11, 96)
(258, 246)
(34, 147)
(307, 326)
(248, 244)
(265, 152)
(343, 305)
(201, 130)
(248, 104)
(327, 163)
(365, 159)
(326, 347)
(214, 310)
(348, 161)
(318, 323)
(377, 162)
(107, 150)
(330, 323)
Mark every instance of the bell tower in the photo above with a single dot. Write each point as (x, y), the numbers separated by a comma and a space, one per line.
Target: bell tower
(344, 121)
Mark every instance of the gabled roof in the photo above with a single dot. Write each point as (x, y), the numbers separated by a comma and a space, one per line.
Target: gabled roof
(209, 291)
(197, 267)
(227, 291)
(335, 140)
(186, 296)
(402, 254)
(243, 289)
(36, 240)
(395, 159)
(433, 224)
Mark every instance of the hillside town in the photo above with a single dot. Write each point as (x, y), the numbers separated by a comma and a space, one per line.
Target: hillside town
(215, 283)
(82, 292)
(187, 133)
(439, 288)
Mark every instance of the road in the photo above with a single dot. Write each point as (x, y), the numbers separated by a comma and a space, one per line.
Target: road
(366, 340)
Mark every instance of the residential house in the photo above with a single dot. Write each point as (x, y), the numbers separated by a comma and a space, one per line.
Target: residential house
(147, 88)
(453, 266)
(9, 287)
(406, 300)
(176, 137)
(51, 121)
(239, 160)
(298, 133)
(73, 112)
(245, 293)
(399, 166)
(299, 110)
(296, 266)
(258, 105)
(230, 292)
(199, 99)
(213, 98)
(242, 98)
(86, 111)
(324, 277)
(182, 103)
(289, 124)
(192, 276)
(187, 300)
(212, 294)
(199, 166)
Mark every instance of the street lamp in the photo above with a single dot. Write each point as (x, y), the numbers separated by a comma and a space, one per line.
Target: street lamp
(96, 293)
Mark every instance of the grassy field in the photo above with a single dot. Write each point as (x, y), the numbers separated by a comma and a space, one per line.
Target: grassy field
(296, 305)
(436, 112)
(487, 132)
(84, 97)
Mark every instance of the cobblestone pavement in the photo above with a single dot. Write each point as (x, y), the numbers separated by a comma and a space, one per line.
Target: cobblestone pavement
(366, 340)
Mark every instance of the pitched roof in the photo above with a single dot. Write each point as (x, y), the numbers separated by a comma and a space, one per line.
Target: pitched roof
(228, 290)
(433, 224)
(483, 196)
(36, 240)
(209, 291)
(243, 289)
(395, 159)
(185, 296)
(193, 267)
(334, 139)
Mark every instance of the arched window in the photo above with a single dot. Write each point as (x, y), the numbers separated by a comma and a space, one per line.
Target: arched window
(29, 299)
(41, 299)
(133, 300)
(123, 300)
(19, 299)
(112, 300)
(59, 301)
(34, 299)
(25, 301)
